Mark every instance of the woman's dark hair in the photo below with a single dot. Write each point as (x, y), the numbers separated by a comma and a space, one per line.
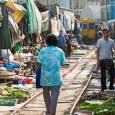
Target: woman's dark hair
(51, 40)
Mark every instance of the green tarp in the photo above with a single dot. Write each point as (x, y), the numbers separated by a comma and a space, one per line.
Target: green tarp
(5, 39)
(31, 17)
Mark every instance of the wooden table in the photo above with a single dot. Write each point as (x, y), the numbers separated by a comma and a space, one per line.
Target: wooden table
(7, 77)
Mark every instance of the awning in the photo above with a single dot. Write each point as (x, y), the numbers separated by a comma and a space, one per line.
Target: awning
(16, 10)
(5, 38)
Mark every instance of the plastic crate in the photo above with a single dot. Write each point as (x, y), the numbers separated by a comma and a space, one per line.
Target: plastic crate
(8, 101)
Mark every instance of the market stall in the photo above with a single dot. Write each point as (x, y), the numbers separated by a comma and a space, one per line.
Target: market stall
(15, 85)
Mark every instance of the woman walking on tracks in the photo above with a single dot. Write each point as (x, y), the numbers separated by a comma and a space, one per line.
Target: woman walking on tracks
(105, 59)
(51, 58)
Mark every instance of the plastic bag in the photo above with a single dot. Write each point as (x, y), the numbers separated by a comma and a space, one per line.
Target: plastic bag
(38, 77)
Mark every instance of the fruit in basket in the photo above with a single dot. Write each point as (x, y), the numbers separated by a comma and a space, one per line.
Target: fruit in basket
(4, 93)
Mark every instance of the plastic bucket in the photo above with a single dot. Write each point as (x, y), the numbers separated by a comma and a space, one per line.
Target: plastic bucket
(27, 80)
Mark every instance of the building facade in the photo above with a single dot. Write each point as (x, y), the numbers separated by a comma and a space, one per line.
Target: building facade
(62, 3)
(112, 9)
(93, 2)
(78, 6)
(105, 10)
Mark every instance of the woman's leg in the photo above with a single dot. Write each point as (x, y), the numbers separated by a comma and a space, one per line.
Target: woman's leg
(47, 97)
(54, 98)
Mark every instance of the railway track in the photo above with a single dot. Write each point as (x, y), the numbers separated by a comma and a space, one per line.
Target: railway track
(92, 93)
(76, 79)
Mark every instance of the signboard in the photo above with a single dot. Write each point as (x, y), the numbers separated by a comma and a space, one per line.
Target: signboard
(16, 10)
(112, 9)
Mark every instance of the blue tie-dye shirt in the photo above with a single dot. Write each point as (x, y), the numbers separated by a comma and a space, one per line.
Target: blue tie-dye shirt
(51, 59)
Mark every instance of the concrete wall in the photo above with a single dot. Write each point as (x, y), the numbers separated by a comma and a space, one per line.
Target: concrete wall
(62, 3)
(79, 5)
(93, 2)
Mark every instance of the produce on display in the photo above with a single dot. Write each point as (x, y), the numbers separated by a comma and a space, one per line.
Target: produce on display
(106, 108)
(8, 101)
(8, 94)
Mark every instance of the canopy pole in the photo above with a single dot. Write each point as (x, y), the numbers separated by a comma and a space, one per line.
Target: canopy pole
(8, 60)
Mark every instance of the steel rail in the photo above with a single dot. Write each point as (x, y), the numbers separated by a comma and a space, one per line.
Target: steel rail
(76, 63)
(79, 97)
(27, 102)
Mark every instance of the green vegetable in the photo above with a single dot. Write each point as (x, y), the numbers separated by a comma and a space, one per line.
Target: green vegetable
(107, 108)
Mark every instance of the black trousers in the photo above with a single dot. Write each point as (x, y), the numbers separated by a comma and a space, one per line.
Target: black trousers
(103, 74)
